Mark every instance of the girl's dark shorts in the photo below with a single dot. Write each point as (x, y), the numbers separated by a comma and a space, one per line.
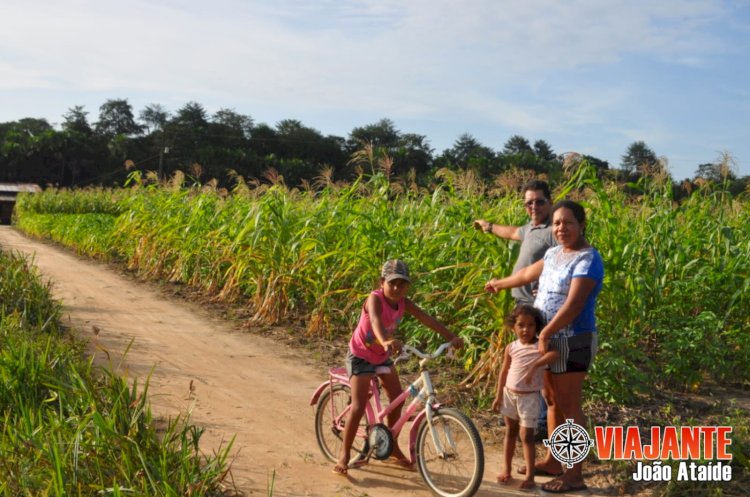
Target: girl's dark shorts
(576, 352)
(356, 366)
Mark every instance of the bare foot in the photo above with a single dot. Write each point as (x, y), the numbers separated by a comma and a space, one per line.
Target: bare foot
(542, 470)
(527, 485)
(503, 478)
(560, 486)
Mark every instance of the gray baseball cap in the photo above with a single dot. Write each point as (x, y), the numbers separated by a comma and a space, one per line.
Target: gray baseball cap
(395, 269)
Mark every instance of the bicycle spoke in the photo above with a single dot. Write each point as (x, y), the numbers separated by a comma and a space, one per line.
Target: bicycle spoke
(455, 466)
(330, 419)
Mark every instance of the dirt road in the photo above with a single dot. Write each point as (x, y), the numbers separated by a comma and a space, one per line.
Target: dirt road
(242, 385)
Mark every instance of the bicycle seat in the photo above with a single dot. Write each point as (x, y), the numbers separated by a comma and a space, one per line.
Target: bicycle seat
(340, 373)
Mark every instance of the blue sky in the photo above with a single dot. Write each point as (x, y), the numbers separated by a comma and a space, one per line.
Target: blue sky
(590, 76)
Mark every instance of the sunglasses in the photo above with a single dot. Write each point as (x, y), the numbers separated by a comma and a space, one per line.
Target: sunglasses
(538, 202)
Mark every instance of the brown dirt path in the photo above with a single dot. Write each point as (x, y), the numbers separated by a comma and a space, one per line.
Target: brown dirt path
(242, 385)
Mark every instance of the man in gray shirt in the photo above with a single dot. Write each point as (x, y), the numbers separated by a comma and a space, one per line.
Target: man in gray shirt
(535, 237)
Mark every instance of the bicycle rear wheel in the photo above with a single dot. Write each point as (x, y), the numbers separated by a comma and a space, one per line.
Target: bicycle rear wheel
(458, 471)
(331, 415)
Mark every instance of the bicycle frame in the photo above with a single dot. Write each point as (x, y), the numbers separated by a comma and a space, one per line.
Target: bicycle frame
(444, 444)
(421, 389)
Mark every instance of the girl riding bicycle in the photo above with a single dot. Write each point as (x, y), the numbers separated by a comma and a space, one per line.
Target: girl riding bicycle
(371, 346)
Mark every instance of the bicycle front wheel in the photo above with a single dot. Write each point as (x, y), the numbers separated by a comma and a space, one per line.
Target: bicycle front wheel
(455, 465)
(331, 415)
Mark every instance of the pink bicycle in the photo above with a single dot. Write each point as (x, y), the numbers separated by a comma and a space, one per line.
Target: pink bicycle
(443, 442)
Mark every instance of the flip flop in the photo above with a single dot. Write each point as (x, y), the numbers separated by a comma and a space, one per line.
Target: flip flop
(401, 463)
(521, 470)
(564, 488)
(339, 470)
(357, 463)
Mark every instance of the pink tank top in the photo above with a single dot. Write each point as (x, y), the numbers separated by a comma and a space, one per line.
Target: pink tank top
(521, 358)
(363, 343)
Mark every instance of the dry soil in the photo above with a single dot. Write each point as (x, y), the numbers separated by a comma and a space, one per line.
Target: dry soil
(233, 383)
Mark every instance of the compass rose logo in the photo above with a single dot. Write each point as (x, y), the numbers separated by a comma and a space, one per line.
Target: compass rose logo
(569, 443)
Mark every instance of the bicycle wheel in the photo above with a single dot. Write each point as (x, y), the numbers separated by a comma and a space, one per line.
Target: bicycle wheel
(330, 423)
(458, 471)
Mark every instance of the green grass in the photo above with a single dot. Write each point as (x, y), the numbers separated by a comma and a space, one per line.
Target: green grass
(68, 428)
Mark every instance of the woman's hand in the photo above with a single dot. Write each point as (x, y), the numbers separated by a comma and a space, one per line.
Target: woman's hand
(497, 403)
(543, 344)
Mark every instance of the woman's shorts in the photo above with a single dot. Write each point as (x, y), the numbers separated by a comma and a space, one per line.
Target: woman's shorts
(356, 366)
(576, 352)
(523, 407)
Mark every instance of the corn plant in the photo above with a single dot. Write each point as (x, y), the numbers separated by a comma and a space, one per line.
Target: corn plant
(674, 303)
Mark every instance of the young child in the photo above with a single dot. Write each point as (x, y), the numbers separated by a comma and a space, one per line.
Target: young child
(518, 388)
(371, 346)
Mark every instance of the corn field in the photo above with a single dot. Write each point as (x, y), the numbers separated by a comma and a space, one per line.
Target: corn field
(673, 311)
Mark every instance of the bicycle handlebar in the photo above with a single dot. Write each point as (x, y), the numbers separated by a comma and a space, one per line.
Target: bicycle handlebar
(409, 350)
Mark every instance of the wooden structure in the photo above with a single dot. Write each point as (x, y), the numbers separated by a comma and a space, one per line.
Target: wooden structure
(8, 193)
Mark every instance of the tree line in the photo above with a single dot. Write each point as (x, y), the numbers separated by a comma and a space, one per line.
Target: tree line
(227, 144)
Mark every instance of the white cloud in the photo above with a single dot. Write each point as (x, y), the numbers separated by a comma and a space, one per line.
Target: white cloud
(536, 66)
(374, 46)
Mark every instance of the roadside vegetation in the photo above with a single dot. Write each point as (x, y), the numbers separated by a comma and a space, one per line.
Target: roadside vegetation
(673, 316)
(69, 428)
